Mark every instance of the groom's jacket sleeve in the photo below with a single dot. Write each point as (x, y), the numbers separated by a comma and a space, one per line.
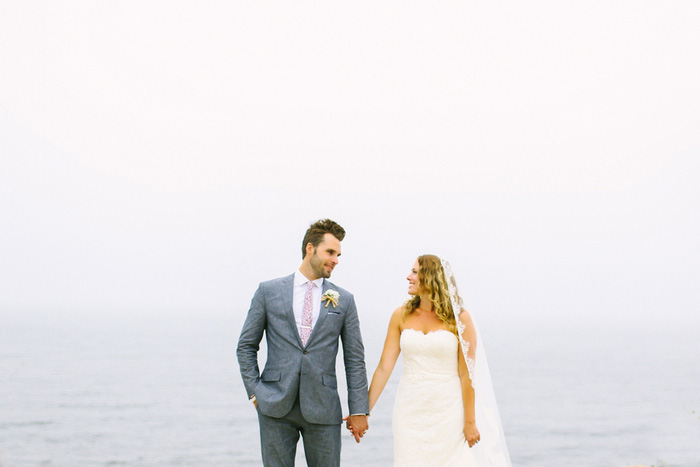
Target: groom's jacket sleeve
(249, 342)
(354, 359)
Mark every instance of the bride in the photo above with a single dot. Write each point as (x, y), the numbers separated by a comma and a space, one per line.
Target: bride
(445, 413)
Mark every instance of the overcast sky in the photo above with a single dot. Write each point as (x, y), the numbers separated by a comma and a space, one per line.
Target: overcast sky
(169, 155)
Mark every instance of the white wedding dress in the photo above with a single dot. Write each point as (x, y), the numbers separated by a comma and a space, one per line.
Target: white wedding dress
(428, 417)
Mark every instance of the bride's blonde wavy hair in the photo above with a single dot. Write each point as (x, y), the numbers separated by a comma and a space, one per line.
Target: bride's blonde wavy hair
(433, 283)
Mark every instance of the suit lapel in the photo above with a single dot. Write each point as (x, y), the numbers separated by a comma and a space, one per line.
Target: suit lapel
(287, 299)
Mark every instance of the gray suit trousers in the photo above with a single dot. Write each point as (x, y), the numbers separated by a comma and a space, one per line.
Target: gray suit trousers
(279, 438)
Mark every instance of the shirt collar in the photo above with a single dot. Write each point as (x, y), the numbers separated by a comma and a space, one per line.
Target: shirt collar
(300, 279)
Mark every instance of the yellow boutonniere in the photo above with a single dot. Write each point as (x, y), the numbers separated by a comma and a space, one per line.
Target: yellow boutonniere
(331, 296)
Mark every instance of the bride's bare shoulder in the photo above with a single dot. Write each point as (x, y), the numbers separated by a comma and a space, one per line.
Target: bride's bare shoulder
(397, 317)
(466, 318)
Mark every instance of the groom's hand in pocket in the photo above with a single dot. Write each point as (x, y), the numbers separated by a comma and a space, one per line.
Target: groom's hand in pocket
(358, 425)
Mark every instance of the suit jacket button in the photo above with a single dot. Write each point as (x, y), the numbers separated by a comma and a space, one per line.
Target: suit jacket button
(305, 352)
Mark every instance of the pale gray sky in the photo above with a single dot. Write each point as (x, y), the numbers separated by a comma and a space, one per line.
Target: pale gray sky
(169, 155)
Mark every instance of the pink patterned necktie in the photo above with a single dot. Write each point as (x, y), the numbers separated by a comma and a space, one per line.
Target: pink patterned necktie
(306, 315)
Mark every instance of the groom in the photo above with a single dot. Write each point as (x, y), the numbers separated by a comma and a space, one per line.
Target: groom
(302, 316)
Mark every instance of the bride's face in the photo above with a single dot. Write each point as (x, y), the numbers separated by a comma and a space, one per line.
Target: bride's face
(413, 281)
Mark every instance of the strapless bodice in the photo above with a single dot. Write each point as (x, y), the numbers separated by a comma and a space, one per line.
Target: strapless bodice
(431, 355)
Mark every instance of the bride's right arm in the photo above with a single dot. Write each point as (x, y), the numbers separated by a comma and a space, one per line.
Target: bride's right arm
(390, 354)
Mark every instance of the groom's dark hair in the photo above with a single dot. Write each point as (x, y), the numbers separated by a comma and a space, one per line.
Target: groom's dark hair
(317, 230)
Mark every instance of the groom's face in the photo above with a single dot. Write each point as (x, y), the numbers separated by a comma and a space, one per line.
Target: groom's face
(325, 256)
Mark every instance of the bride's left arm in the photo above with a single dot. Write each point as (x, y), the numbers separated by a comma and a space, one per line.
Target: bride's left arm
(471, 432)
(390, 354)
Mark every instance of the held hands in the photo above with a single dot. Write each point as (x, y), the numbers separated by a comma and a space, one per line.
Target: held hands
(358, 425)
(471, 433)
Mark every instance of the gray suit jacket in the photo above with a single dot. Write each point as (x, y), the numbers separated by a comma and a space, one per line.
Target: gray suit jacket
(292, 369)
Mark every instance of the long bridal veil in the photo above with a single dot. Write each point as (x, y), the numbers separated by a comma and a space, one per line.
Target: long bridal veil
(491, 450)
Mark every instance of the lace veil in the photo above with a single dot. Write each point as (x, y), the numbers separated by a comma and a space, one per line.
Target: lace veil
(491, 450)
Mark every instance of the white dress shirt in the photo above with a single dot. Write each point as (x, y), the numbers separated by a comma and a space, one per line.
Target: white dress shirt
(300, 285)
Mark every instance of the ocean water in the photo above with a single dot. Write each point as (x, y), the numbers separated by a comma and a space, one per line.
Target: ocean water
(108, 389)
